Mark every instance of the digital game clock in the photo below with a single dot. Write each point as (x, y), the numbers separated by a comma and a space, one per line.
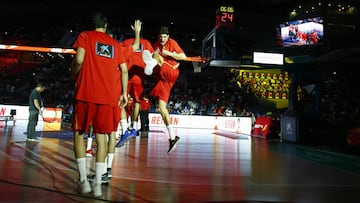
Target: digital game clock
(225, 17)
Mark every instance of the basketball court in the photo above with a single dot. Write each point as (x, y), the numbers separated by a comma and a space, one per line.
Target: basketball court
(207, 166)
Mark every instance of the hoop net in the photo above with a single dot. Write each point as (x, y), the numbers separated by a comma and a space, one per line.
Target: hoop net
(197, 66)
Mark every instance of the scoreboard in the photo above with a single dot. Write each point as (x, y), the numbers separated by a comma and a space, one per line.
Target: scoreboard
(225, 17)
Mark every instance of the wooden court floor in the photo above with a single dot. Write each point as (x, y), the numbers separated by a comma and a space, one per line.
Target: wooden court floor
(207, 166)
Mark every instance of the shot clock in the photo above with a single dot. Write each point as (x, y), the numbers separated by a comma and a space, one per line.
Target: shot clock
(225, 17)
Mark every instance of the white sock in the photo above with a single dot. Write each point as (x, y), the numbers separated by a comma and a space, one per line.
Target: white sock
(99, 170)
(89, 143)
(81, 163)
(135, 123)
(171, 132)
(105, 166)
(88, 165)
(110, 158)
(124, 125)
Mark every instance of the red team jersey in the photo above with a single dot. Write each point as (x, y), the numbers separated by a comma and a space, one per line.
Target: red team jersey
(172, 46)
(145, 105)
(99, 77)
(167, 74)
(136, 67)
(98, 84)
(135, 59)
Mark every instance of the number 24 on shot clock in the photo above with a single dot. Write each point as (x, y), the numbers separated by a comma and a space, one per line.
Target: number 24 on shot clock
(225, 16)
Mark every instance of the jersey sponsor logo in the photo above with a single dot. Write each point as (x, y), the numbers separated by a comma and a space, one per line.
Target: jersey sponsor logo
(104, 50)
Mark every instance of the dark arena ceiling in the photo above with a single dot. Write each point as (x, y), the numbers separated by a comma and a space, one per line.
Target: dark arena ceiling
(44, 23)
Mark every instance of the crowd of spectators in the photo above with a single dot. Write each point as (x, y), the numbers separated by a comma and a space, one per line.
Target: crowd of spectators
(266, 84)
(341, 100)
(211, 92)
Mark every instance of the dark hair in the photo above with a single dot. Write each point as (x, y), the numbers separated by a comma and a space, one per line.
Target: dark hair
(40, 84)
(163, 30)
(99, 20)
(109, 31)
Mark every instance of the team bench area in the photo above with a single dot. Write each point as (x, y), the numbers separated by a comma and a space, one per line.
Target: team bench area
(7, 118)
